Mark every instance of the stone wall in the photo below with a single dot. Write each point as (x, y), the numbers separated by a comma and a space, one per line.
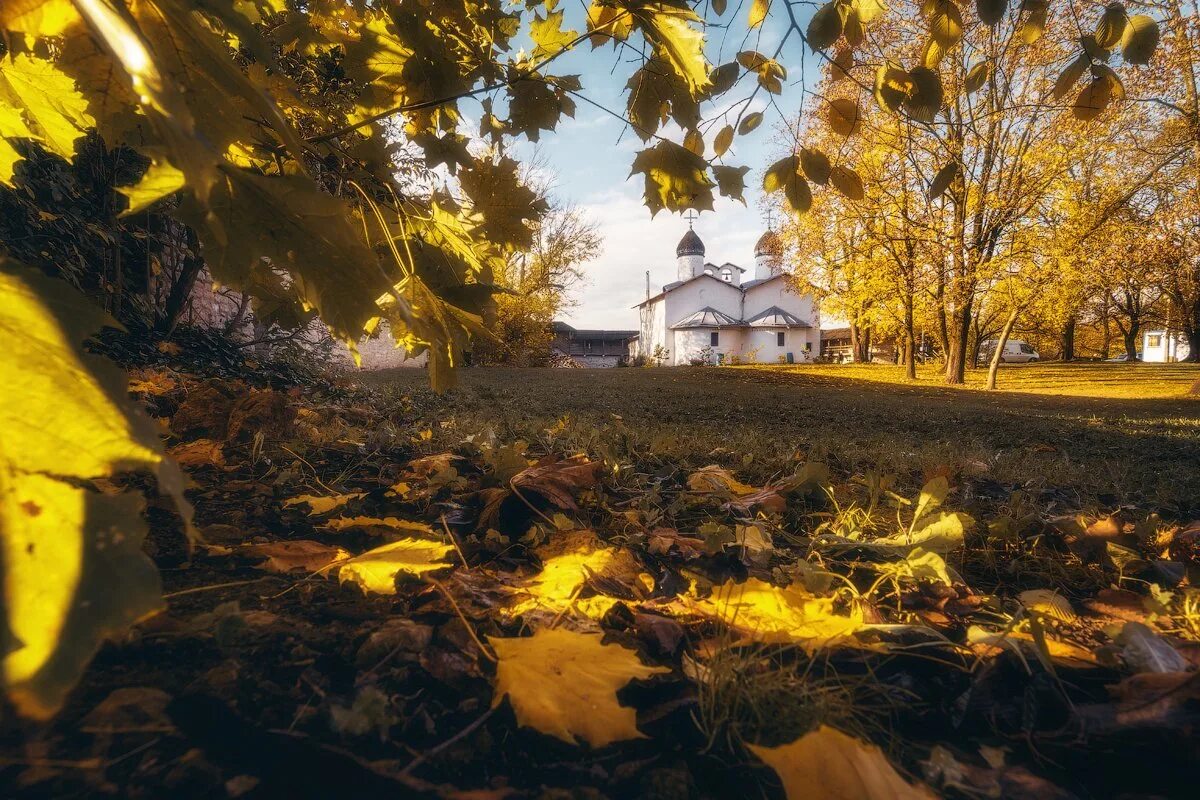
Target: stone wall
(211, 308)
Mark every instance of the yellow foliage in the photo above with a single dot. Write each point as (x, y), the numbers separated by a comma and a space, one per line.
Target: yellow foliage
(566, 564)
(564, 684)
(376, 570)
(322, 505)
(73, 570)
(770, 614)
(826, 764)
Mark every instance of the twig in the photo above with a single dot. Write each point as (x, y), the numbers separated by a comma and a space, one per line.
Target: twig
(470, 628)
(209, 588)
(467, 731)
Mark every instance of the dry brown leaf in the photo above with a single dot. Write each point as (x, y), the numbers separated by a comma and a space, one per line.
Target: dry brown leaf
(200, 453)
(559, 481)
(301, 554)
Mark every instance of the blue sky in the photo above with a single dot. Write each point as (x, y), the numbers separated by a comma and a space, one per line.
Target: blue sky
(588, 159)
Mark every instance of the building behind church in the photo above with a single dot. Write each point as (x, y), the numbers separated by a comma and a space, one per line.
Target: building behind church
(723, 314)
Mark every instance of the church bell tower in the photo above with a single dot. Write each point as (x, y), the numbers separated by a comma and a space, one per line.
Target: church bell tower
(689, 254)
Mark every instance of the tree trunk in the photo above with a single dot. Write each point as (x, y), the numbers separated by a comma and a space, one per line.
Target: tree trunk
(181, 289)
(1067, 339)
(956, 355)
(1005, 332)
(910, 342)
(1131, 337)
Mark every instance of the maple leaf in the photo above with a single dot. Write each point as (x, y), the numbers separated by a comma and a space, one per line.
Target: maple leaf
(73, 569)
(827, 763)
(39, 101)
(667, 25)
(675, 178)
(548, 35)
(656, 92)
(506, 205)
(376, 570)
(565, 684)
(731, 181)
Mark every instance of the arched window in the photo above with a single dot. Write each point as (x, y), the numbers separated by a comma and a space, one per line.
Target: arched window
(708, 271)
(727, 275)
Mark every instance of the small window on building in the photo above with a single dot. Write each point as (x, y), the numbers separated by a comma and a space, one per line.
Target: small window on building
(1154, 341)
(727, 275)
(808, 347)
(709, 272)
(714, 339)
(780, 338)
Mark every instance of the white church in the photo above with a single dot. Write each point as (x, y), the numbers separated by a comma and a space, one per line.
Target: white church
(716, 314)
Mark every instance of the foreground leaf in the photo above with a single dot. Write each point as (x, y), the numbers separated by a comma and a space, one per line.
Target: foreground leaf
(565, 684)
(827, 764)
(73, 569)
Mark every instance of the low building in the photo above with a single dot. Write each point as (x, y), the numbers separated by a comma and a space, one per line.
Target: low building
(1163, 346)
(837, 346)
(591, 348)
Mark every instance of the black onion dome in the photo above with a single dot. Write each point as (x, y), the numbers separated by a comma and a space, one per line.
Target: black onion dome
(690, 245)
(768, 245)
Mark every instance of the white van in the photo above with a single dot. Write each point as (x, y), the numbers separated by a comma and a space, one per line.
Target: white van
(1015, 352)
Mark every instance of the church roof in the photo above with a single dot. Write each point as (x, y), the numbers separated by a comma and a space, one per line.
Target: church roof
(690, 245)
(748, 285)
(768, 245)
(708, 317)
(712, 266)
(776, 317)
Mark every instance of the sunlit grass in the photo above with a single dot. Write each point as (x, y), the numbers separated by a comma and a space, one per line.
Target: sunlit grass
(1099, 380)
(1092, 435)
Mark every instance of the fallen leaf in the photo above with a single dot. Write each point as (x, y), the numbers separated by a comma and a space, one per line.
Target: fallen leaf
(565, 684)
(1049, 603)
(200, 453)
(299, 554)
(322, 505)
(826, 764)
(1143, 650)
(770, 614)
(717, 479)
(405, 526)
(559, 481)
(376, 570)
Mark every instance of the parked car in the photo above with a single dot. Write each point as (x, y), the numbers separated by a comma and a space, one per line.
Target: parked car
(1015, 352)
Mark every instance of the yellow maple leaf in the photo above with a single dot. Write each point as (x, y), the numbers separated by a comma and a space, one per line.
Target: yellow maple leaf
(826, 764)
(376, 570)
(565, 685)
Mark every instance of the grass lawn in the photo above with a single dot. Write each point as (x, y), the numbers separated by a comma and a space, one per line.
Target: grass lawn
(1078, 437)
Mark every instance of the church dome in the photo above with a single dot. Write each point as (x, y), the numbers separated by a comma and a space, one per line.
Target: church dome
(690, 245)
(768, 245)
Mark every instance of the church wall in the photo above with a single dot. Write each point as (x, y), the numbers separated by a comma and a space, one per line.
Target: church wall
(691, 342)
(652, 331)
(696, 295)
(760, 344)
(777, 293)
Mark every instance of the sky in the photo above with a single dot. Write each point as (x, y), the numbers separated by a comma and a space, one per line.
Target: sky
(588, 160)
